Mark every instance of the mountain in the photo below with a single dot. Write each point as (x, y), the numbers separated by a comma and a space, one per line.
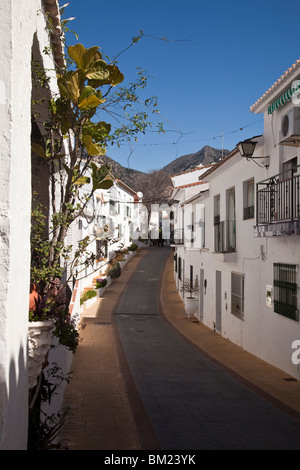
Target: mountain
(149, 182)
(127, 175)
(205, 156)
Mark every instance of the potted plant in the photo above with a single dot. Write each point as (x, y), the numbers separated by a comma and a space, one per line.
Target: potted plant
(48, 316)
(191, 287)
(133, 247)
(100, 285)
(88, 295)
(114, 271)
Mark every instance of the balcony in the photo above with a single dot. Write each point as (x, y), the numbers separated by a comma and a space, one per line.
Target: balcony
(225, 236)
(278, 205)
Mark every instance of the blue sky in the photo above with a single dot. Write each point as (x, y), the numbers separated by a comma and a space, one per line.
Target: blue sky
(220, 57)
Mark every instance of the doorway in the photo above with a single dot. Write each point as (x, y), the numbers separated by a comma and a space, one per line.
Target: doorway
(201, 295)
(218, 322)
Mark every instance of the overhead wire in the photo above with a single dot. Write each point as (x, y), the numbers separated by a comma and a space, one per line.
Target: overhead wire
(202, 139)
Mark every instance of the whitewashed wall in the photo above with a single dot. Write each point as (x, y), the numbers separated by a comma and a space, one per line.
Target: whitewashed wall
(261, 332)
(19, 22)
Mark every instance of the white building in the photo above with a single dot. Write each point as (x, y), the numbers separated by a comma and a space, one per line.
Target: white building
(23, 33)
(186, 187)
(245, 251)
(109, 220)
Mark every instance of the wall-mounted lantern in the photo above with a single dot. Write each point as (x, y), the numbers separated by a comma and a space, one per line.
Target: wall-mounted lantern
(246, 149)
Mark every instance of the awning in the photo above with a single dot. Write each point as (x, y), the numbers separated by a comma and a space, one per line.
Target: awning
(285, 97)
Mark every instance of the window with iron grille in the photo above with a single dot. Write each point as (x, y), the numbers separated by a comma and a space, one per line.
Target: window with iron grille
(237, 294)
(285, 290)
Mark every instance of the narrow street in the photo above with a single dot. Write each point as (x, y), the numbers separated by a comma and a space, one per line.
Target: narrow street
(192, 402)
(146, 377)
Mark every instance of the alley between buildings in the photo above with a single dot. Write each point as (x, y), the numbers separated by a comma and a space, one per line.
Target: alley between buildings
(190, 402)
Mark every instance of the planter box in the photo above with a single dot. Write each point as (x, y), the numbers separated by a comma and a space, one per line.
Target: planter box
(101, 291)
(88, 303)
(39, 343)
(190, 306)
(109, 281)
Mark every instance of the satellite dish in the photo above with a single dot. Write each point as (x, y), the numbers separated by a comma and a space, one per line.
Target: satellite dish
(140, 195)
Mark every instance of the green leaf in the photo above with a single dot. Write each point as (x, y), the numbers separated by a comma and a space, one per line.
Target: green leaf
(90, 102)
(65, 125)
(82, 180)
(100, 176)
(92, 149)
(86, 92)
(115, 76)
(101, 149)
(98, 131)
(98, 71)
(74, 85)
(90, 54)
(62, 87)
(82, 56)
(106, 184)
(38, 149)
(77, 54)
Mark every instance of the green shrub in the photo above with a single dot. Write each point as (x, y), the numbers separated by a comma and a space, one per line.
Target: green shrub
(87, 295)
(100, 282)
(114, 271)
(133, 247)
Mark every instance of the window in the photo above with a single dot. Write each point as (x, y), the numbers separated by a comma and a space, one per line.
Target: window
(231, 229)
(120, 230)
(285, 290)
(237, 294)
(191, 276)
(192, 228)
(179, 268)
(248, 199)
(200, 217)
(217, 209)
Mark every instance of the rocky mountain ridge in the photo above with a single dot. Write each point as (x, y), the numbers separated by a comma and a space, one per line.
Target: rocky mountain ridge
(136, 179)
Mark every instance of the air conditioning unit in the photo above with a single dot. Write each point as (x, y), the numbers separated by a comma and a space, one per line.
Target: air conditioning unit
(289, 133)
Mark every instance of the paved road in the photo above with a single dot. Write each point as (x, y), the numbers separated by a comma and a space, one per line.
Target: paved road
(193, 403)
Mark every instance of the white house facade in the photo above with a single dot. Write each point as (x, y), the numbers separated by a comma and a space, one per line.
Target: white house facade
(110, 221)
(244, 248)
(23, 32)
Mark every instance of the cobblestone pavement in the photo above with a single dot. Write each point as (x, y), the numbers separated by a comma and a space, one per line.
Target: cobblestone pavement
(192, 402)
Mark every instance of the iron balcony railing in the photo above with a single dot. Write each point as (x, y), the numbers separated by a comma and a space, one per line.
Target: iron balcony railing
(225, 236)
(278, 198)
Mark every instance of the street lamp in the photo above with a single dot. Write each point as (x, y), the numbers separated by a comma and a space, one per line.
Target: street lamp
(246, 149)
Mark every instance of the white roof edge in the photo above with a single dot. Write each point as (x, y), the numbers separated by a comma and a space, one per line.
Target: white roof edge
(277, 88)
